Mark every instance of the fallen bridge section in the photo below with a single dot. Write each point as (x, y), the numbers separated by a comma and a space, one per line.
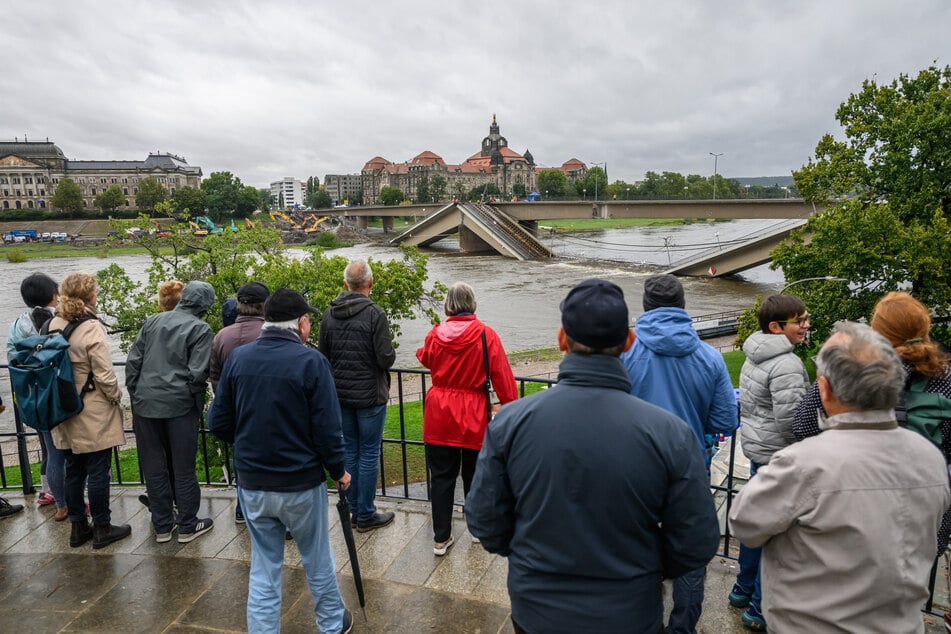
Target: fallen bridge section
(480, 227)
(753, 250)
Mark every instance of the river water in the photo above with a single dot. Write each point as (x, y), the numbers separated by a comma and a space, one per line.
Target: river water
(518, 299)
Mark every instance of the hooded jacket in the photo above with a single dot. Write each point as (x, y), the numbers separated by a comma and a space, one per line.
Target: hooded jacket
(772, 382)
(166, 372)
(672, 368)
(355, 338)
(455, 413)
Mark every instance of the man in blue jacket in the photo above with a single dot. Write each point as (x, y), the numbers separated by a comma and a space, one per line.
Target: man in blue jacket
(592, 494)
(277, 403)
(671, 368)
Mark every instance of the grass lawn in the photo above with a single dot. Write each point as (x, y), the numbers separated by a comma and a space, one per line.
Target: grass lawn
(595, 224)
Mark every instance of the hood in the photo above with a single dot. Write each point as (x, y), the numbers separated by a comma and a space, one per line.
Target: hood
(197, 298)
(456, 334)
(349, 304)
(667, 331)
(760, 347)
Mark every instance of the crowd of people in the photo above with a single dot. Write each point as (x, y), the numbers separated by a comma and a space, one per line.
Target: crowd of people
(596, 490)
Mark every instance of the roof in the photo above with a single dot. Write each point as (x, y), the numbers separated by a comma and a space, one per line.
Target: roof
(375, 163)
(31, 149)
(427, 158)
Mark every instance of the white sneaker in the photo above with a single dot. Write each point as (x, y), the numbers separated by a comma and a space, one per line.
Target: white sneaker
(475, 540)
(440, 548)
(162, 538)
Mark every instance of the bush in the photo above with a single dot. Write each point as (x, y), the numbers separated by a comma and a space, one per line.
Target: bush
(15, 256)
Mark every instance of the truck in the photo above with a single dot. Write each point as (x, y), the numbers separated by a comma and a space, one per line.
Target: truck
(21, 235)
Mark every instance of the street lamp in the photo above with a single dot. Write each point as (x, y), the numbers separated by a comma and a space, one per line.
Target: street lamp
(628, 193)
(685, 192)
(605, 164)
(715, 157)
(584, 192)
(825, 278)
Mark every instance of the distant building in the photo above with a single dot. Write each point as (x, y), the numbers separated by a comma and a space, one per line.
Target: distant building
(343, 187)
(30, 172)
(288, 193)
(495, 163)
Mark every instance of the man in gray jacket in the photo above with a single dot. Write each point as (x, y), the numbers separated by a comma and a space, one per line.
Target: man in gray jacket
(166, 375)
(355, 338)
(848, 519)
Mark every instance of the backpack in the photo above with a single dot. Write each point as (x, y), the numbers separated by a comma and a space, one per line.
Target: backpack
(923, 412)
(42, 378)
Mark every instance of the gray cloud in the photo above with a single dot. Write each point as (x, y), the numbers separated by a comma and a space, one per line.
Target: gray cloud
(284, 88)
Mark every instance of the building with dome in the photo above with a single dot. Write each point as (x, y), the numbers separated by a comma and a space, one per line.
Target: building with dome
(31, 170)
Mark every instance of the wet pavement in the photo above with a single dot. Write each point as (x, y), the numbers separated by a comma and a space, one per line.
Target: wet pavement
(137, 585)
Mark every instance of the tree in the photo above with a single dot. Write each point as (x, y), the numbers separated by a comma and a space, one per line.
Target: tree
(319, 199)
(437, 188)
(228, 260)
(221, 194)
(423, 195)
(892, 231)
(110, 199)
(551, 183)
(264, 199)
(518, 189)
(68, 197)
(186, 200)
(595, 182)
(484, 191)
(390, 195)
(247, 202)
(150, 193)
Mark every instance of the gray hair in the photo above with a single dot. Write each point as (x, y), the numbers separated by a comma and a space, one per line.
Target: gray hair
(291, 324)
(460, 298)
(358, 275)
(863, 368)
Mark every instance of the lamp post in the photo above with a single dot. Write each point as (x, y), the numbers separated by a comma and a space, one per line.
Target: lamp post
(715, 156)
(824, 278)
(685, 192)
(628, 189)
(584, 193)
(605, 164)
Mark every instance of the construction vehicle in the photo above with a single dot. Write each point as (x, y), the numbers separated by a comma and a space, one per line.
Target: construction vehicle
(209, 225)
(248, 224)
(234, 227)
(316, 223)
(280, 217)
(196, 229)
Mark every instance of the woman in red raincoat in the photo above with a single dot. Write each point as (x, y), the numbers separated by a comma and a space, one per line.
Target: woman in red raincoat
(455, 414)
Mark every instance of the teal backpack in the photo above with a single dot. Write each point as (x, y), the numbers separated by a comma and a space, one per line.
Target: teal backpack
(42, 376)
(923, 412)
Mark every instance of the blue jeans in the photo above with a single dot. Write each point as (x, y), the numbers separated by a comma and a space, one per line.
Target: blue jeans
(55, 470)
(362, 434)
(304, 513)
(749, 576)
(688, 602)
(92, 471)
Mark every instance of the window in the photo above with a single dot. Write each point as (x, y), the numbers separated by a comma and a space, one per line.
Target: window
(3, 180)
(115, 180)
(125, 191)
(29, 204)
(6, 204)
(18, 204)
(18, 193)
(42, 204)
(82, 181)
(28, 180)
(29, 192)
(55, 180)
(102, 180)
(42, 192)
(16, 180)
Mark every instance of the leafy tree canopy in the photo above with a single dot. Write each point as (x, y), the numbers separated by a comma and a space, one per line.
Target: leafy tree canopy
(110, 199)
(391, 195)
(228, 260)
(222, 190)
(319, 199)
(551, 183)
(892, 232)
(188, 200)
(68, 197)
(150, 193)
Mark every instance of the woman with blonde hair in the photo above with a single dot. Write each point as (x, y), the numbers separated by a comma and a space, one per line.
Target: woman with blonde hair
(169, 293)
(88, 437)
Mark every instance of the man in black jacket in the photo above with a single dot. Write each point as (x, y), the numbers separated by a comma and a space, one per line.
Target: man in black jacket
(355, 338)
(594, 495)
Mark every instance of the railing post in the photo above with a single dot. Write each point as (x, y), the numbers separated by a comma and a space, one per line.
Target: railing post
(26, 475)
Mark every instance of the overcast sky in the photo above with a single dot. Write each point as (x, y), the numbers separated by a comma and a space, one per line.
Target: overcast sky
(272, 89)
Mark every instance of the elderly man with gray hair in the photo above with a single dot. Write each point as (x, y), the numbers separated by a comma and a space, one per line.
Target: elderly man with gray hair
(848, 519)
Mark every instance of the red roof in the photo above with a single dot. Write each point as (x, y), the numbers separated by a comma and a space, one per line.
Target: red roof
(427, 158)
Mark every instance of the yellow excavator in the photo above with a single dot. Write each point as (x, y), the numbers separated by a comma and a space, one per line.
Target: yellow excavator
(279, 217)
(316, 222)
(248, 224)
(197, 230)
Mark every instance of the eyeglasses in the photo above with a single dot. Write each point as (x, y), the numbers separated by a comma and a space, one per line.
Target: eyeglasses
(799, 321)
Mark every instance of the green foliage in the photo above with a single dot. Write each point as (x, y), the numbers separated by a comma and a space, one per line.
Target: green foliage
(68, 197)
(390, 195)
(150, 194)
(551, 183)
(110, 199)
(518, 189)
(484, 191)
(228, 260)
(437, 188)
(594, 182)
(15, 256)
(423, 194)
(226, 195)
(187, 200)
(893, 232)
(748, 323)
(319, 199)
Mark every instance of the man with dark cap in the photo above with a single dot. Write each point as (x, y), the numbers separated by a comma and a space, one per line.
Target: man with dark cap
(245, 329)
(355, 337)
(277, 403)
(593, 495)
(671, 368)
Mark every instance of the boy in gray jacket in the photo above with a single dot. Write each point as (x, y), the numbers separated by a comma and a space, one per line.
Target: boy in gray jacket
(772, 382)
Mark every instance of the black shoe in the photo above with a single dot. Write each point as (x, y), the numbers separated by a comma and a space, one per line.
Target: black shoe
(8, 510)
(105, 535)
(347, 622)
(238, 516)
(353, 520)
(379, 520)
(144, 499)
(81, 533)
(287, 536)
(202, 526)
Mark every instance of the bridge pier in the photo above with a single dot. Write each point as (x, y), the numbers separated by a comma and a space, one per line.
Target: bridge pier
(361, 222)
(470, 242)
(387, 224)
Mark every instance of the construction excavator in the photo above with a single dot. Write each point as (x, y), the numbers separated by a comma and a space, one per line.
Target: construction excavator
(197, 230)
(248, 224)
(280, 217)
(207, 223)
(315, 223)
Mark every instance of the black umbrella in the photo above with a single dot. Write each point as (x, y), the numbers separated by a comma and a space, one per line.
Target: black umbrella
(343, 508)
